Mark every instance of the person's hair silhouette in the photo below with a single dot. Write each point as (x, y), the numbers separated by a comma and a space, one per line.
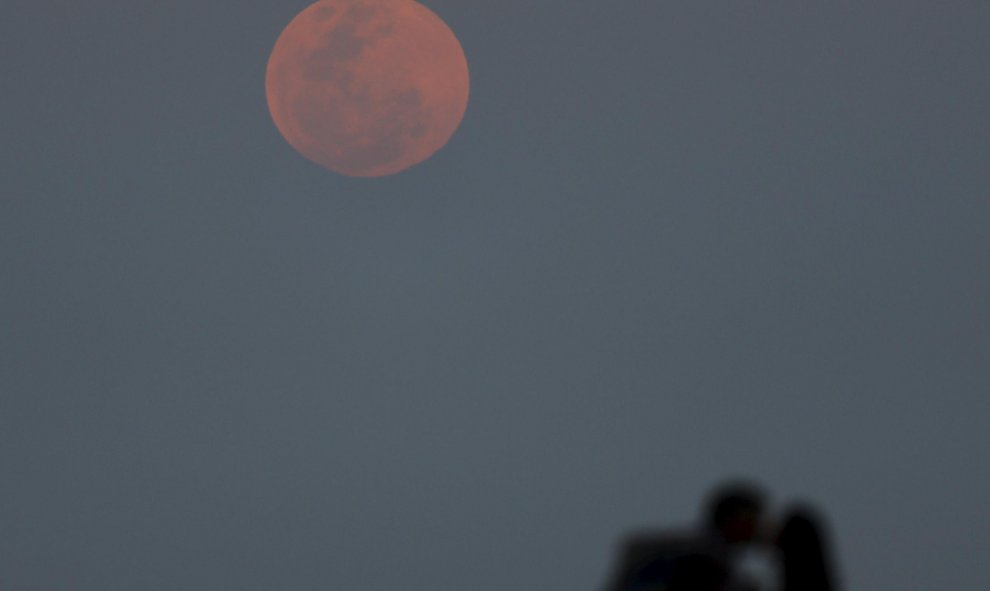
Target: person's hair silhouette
(806, 560)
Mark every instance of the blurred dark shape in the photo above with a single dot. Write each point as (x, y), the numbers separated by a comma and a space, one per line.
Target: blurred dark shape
(806, 561)
(694, 559)
(735, 509)
(698, 573)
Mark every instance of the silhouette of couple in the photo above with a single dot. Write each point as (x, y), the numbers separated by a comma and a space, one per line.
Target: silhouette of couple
(706, 559)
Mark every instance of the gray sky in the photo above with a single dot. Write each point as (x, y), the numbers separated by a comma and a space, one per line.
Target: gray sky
(671, 242)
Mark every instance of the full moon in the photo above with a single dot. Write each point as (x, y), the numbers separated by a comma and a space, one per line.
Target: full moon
(367, 88)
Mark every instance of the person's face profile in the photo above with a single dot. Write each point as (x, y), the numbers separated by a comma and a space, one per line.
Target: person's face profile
(743, 527)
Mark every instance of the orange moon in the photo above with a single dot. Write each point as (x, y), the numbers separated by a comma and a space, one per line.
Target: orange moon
(367, 88)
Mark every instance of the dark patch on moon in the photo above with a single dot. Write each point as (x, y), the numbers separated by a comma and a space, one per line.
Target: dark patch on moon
(347, 42)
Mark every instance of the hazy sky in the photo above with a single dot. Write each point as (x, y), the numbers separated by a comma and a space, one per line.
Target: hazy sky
(671, 242)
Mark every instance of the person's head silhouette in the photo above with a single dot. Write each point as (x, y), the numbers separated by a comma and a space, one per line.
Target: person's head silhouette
(734, 511)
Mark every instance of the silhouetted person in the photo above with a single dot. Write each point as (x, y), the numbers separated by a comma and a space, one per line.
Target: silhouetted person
(693, 560)
(805, 556)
